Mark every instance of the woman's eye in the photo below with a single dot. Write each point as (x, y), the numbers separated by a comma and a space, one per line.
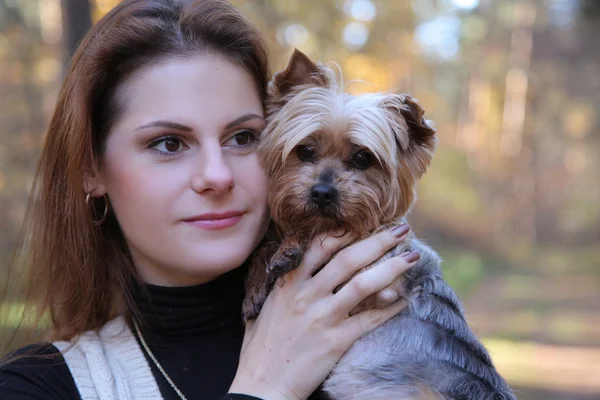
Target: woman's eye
(242, 139)
(168, 145)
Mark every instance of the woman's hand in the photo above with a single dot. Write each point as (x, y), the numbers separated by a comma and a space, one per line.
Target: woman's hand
(304, 328)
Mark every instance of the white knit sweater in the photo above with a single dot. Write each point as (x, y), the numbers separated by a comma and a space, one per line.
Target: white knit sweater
(110, 365)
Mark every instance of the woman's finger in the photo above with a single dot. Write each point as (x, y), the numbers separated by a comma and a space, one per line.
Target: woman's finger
(390, 294)
(362, 323)
(321, 249)
(372, 281)
(361, 254)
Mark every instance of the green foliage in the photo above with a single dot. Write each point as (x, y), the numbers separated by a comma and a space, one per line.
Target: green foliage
(463, 270)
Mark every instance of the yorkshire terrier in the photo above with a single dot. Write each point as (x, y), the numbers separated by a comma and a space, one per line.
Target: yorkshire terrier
(337, 161)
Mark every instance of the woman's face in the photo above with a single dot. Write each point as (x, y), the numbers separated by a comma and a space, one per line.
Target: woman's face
(181, 169)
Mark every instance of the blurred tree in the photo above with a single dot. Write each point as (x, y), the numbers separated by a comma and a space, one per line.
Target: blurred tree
(590, 9)
(77, 20)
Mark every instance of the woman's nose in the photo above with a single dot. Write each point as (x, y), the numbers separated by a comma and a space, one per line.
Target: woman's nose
(213, 174)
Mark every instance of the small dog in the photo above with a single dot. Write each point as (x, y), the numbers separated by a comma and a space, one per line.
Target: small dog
(334, 161)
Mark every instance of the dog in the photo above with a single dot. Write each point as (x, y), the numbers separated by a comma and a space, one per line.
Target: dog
(337, 161)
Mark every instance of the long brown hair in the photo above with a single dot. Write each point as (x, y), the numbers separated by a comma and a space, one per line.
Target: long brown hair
(79, 273)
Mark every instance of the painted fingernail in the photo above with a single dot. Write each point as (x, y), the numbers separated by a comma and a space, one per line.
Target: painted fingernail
(401, 230)
(411, 256)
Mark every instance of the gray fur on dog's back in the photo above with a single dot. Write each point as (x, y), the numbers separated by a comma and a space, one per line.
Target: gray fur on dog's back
(426, 352)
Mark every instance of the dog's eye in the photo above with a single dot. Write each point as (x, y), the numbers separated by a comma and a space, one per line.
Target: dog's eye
(362, 160)
(306, 153)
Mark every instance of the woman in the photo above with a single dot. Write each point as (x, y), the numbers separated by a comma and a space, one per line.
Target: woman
(148, 199)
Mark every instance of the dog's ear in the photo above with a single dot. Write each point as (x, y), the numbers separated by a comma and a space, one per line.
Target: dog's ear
(300, 71)
(415, 135)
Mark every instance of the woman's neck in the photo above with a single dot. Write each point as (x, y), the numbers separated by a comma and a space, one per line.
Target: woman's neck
(204, 312)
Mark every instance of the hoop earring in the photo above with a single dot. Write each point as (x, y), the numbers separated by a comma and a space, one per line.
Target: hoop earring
(87, 202)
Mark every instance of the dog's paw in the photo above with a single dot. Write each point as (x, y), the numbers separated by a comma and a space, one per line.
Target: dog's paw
(251, 308)
(250, 314)
(285, 261)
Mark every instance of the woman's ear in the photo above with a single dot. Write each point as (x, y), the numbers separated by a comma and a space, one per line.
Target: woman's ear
(94, 184)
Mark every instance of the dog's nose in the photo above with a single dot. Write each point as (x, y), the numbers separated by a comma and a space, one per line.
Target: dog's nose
(322, 194)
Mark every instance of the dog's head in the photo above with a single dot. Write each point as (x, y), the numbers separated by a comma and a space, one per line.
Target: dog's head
(334, 160)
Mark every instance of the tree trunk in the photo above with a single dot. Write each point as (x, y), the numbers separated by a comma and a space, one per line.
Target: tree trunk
(77, 20)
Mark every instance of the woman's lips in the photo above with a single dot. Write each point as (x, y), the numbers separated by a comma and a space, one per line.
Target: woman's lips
(216, 220)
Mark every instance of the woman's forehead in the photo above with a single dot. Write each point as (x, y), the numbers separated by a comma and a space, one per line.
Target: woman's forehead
(200, 87)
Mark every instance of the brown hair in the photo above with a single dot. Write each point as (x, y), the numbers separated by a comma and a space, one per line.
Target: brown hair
(79, 272)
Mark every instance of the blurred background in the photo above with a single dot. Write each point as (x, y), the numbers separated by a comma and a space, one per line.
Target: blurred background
(510, 202)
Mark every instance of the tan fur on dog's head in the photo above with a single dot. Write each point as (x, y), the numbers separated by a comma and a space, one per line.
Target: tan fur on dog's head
(339, 161)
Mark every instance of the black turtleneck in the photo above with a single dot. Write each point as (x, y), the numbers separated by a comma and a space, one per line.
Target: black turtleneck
(194, 332)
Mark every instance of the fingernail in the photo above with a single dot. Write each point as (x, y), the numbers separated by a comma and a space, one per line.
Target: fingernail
(411, 256)
(401, 230)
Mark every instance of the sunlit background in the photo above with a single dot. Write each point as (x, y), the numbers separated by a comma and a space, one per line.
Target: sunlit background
(512, 198)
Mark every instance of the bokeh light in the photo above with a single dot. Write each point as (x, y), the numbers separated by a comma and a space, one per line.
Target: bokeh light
(293, 35)
(439, 37)
(355, 35)
(465, 4)
(361, 10)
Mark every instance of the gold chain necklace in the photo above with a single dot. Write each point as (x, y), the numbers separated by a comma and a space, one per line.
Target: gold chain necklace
(160, 368)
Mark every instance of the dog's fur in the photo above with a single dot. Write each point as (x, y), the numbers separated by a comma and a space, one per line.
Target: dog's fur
(339, 161)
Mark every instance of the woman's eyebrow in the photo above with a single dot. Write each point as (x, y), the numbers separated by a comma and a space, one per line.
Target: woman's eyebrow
(165, 124)
(242, 119)
(185, 128)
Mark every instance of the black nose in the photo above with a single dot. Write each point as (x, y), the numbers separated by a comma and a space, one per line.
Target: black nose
(322, 194)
